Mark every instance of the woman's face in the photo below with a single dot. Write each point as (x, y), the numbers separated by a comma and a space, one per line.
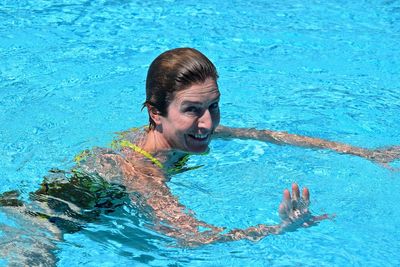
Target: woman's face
(192, 117)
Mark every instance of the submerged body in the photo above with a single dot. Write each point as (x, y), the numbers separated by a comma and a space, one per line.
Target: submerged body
(182, 100)
(107, 178)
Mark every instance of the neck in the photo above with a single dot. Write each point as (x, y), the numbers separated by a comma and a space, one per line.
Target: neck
(156, 145)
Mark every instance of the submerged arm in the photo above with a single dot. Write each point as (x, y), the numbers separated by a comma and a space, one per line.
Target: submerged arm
(283, 138)
(174, 220)
(178, 223)
(147, 187)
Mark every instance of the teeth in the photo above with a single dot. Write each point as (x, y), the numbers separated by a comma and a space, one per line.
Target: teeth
(200, 136)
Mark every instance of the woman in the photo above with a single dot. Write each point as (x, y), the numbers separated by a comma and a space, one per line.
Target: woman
(182, 100)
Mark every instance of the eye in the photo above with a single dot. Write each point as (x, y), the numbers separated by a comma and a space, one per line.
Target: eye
(214, 106)
(192, 109)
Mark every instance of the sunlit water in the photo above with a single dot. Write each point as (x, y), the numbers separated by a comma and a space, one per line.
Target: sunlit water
(72, 73)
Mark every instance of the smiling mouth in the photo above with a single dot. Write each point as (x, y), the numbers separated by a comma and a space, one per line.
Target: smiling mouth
(199, 137)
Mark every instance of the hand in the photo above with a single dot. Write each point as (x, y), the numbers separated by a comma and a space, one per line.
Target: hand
(294, 211)
(385, 155)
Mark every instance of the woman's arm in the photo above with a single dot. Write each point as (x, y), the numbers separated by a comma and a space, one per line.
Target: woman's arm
(383, 156)
(147, 184)
(174, 220)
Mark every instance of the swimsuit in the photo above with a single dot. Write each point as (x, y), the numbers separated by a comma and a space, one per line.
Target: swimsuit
(79, 196)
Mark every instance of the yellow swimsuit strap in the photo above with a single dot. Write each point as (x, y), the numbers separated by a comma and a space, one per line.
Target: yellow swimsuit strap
(126, 143)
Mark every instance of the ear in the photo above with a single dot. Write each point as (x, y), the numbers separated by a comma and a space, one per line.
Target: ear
(154, 114)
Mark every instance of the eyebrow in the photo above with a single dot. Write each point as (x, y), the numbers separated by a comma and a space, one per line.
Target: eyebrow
(188, 102)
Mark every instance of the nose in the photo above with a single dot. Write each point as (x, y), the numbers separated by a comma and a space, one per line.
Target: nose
(206, 120)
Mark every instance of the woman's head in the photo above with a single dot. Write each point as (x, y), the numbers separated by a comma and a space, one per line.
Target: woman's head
(173, 71)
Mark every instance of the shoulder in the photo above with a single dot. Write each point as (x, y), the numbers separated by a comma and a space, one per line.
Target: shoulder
(118, 162)
(134, 135)
(112, 163)
(104, 162)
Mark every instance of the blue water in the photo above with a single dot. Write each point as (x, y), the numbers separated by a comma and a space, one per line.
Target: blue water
(72, 73)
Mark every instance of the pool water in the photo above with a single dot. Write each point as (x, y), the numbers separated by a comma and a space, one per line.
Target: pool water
(72, 73)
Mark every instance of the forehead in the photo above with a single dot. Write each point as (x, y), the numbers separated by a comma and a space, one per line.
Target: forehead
(199, 92)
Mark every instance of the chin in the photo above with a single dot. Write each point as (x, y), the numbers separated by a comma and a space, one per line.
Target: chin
(200, 151)
(197, 149)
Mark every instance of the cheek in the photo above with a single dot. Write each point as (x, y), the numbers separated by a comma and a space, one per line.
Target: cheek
(182, 123)
(187, 123)
(216, 118)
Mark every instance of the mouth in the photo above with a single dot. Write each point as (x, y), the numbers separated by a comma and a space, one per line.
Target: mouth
(197, 142)
(200, 137)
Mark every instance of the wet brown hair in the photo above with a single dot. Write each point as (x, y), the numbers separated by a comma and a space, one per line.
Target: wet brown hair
(173, 71)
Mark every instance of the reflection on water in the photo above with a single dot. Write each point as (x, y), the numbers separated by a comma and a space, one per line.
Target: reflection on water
(72, 73)
(68, 202)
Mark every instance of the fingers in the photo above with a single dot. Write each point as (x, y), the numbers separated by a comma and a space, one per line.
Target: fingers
(294, 210)
(286, 205)
(292, 206)
(296, 194)
(306, 195)
(390, 168)
(287, 201)
(295, 191)
(384, 155)
(286, 195)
